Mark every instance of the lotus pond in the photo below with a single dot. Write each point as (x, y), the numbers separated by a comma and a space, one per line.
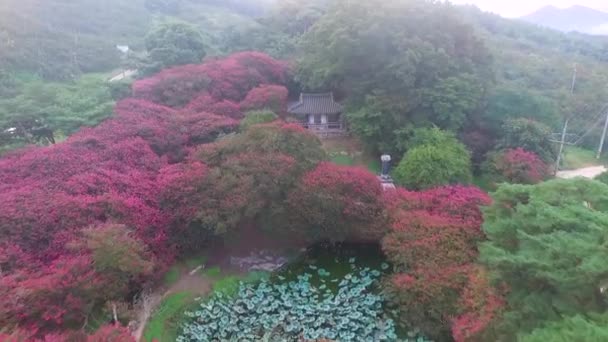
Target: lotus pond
(330, 292)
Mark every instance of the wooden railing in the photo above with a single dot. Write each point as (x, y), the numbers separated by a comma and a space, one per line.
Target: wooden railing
(330, 126)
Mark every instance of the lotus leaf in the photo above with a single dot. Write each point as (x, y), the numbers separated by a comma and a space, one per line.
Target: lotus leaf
(288, 311)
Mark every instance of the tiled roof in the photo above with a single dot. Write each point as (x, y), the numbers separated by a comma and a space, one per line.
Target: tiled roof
(316, 104)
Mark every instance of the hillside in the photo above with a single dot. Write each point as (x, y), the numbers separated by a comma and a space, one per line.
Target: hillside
(575, 18)
(61, 39)
(534, 67)
(191, 202)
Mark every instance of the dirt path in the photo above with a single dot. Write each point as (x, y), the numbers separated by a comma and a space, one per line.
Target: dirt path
(587, 172)
(192, 282)
(122, 75)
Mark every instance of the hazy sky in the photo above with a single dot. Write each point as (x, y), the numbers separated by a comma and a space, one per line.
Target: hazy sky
(518, 8)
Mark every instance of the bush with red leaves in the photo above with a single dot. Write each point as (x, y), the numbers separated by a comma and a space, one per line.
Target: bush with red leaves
(433, 246)
(107, 333)
(133, 170)
(480, 305)
(517, 166)
(338, 203)
(229, 78)
(271, 97)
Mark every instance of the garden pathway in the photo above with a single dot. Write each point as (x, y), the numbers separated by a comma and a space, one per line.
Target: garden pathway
(192, 282)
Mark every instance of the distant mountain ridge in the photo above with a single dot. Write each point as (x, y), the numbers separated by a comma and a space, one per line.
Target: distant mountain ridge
(576, 18)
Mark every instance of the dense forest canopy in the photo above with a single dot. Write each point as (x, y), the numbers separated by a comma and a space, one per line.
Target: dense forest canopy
(117, 163)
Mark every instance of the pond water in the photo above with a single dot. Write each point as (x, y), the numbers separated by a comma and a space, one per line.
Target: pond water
(329, 290)
(329, 263)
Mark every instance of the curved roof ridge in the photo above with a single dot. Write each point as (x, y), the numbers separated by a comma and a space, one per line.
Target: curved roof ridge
(316, 103)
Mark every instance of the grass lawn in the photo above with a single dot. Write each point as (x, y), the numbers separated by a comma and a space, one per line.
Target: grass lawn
(212, 272)
(165, 322)
(576, 158)
(343, 160)
(349, 152)
(181, 267)
(172, 275)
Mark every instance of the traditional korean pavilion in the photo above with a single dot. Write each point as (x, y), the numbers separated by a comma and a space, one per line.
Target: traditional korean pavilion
(319, 113)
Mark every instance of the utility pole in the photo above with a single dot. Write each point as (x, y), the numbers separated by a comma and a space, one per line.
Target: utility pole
(565, 130)
(602, 139)
(561, 146)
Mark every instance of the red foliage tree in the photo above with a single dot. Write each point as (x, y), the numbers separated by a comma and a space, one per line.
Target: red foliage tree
(51, 298)
(518, 166)
(272, 97)
(111, 333)
(206, 103)
(230, 78)
(337, 203)
(479, 305)
(433, 243)
(246, 187)
(107, 333)
(131, 170)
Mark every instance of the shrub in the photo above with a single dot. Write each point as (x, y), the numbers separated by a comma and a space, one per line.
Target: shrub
(602, 178)
(480, 306)
(337, 203)
(273, 138)
(436, 158)
(229, 78)
(257, 117)
(574, 328)
(530, 135)
(516, 166)
(271, 97)
(432, 245)
(64, 247)
(545, 243)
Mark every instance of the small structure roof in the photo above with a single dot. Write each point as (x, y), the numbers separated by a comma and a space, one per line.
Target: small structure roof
(316, 104)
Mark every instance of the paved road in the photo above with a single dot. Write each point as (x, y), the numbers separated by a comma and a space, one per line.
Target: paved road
(587, 172)
(123, 75)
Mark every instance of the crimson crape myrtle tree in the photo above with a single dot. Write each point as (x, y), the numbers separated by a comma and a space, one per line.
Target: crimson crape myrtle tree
(271, 97)
(252, 173)
(133, 170)
(338, 203)
(106, 333)
(432, 244)
(517, 166)
(106, 264)
(229, 78)
(479, 307)
(546, 244)
(272, 138)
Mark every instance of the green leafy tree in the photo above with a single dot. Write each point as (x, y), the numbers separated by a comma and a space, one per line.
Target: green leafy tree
(602, 178)
(257, 117)
(402, 63)
(42, 112)
(511, 102)
(546, 243)
(435, 158)
(530, 135)
(173, 43)
(576, 328)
